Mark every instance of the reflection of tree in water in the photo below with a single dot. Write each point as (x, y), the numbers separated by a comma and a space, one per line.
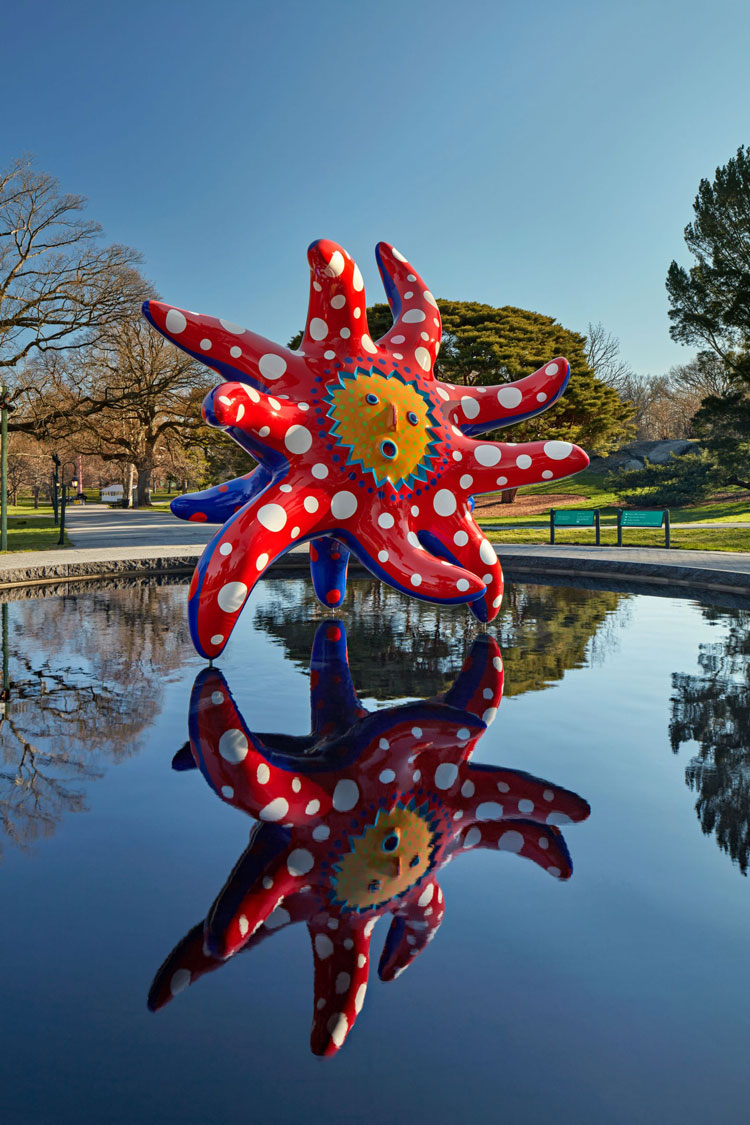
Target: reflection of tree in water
(400, 647)
(713, 709)
(85, 679)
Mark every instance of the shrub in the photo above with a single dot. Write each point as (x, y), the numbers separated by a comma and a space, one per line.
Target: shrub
(682, 480)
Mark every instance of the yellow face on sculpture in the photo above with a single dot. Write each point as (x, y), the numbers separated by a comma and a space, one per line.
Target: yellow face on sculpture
(388, 858)
(385, 422)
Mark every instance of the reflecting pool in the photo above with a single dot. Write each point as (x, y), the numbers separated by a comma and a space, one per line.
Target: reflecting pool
(212, 878)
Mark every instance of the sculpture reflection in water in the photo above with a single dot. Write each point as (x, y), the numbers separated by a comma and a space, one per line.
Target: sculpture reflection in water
(355, 820)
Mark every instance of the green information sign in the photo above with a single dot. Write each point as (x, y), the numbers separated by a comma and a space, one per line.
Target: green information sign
(642, 519)
(574, 518)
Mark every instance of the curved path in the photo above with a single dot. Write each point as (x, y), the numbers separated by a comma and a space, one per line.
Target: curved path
(108, 542)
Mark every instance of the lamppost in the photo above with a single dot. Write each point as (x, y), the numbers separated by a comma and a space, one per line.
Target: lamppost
(55, 487)
(6, 407)
(63, 499)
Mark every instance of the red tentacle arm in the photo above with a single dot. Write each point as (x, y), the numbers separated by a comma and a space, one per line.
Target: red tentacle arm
(228, 348)
(337, 311)
(342, 965)
(458, 538)
(478, 409)
(492, 793)
(416, 332)
(413, 927)
(275, 422)
(494, 465)
(540, 843)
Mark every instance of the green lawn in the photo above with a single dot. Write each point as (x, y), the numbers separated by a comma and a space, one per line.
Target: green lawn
(31, 534)
(686, 539)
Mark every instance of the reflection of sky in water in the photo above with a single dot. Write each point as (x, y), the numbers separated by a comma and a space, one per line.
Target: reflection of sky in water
(618, 996)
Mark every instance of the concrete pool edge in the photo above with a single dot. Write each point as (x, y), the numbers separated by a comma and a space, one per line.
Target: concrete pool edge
(726, 572)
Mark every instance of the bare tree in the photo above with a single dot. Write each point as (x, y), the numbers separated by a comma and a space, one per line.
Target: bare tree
(604, 359)
(704, 375)
(59, 287)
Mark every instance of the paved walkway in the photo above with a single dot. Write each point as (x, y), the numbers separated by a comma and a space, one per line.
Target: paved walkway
(108, 542)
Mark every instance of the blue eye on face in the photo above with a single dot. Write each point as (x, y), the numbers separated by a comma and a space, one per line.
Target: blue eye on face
(390, 843)
(389, 449)
(372, 399)
(412, 418)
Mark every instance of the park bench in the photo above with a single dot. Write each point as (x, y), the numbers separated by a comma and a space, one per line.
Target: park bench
(573, 517)
(642, 517)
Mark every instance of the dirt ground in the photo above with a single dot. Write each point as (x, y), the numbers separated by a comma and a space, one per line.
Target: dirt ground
(490, 506)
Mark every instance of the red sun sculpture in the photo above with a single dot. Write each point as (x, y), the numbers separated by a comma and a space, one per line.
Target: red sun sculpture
(360, 448)
(355, 821)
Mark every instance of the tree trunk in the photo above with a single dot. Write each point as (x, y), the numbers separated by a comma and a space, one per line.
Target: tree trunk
(36, 495)
(508, 495)
(143, 487)
(128, 498)
(740, 483)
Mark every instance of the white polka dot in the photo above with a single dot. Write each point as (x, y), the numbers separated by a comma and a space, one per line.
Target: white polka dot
(543, 843)
(311, 504)
(285, 487)
(554, 872)
(472, 837)
(175, 322)
(225, 549)
(359, 999)
(343, 980)
(408, 295)
(509, 397)
(318, 328)
(557, 450)
(294, 532)
(510, 842)
(272, 517)
(271, 366)
(261, 561)
(444, 502)
(361, 960)
(463, 585)
(267, 882)
(232, 596)
(460, 538)
(384, 744)
(227, 791)
(343, 505)
(470, 406)
(233, 746)
(446, 774)
(357, 313)
(398, 339)
(263, 774)
(179, 981)
(321, 832)
(338, 301)
(383, 556)
(416, 579)
(217, 638)
(502, 481)
(523, 461)
(345, 795)
(443, 394)
(541, 397)
(558, 818)
(429, 298)
(387, 776)
(489, 810)
(320, 471)
(489, 715)
(397, 255)
(425, 335)
(277, 918)
(299, 862)
(397, 355)
(235, 352)
(386, 520)
(264, 431)
(312, 807)
(357, 282)
(412, 540)
(217, 697)
(298, 439)
(547, 474)
(368, 345)
(466, 481)
(413, 316)
(336, 265)
(206, 345)
(274, 404)
(323, 946)
(463, 734)
(276, 810)
(487, 455)
(551, 369)
(497, 601)
(467, 789)
(525, 806)
(423, 358)
(329, 354)
(234, 329)
(486, 552)
(548, 795)
(426, 896)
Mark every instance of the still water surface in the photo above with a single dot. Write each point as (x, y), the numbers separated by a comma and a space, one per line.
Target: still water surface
(619, 994)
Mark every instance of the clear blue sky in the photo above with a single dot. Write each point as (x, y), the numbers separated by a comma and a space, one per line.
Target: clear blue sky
(544, 154)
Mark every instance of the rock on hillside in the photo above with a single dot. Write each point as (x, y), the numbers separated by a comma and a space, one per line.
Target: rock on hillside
(635, 455)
